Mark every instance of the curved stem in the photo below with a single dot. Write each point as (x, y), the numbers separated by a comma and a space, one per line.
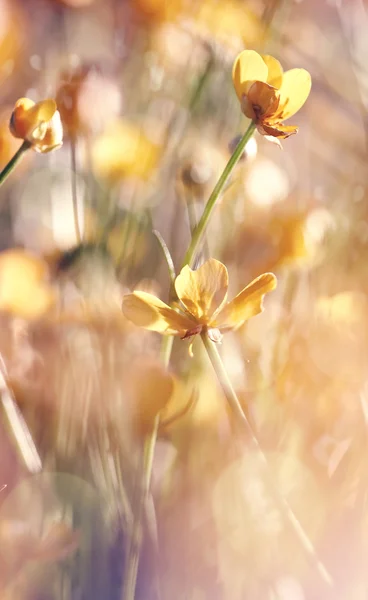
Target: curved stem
(245, 427)
(9, 168)
(200, 230)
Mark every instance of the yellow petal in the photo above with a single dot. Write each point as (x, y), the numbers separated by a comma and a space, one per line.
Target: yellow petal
(148, 311)
(275, 70)
(247, 304)
(295, 88)
(248, 67)
(203, 291)
(44, 110)
(152, 388)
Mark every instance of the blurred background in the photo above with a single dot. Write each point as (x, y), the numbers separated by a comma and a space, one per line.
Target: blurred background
(150, 119)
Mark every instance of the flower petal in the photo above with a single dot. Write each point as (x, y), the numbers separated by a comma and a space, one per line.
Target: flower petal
(247, 304)
(294, 91)
(248, 67)
(204, 291)
(148, 311)
(263, 98)
(275, 70)
(278, 130)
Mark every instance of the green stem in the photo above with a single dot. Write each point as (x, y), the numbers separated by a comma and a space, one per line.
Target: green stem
(14, 161)
(245, 428)
(131, 570)
(201, 83)
(200, 230)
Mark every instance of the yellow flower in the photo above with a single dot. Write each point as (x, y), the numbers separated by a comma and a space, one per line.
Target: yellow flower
(203, 303)
(269, 96)
(123, 150)
(24, 291)
(38, 124)
(230, 23)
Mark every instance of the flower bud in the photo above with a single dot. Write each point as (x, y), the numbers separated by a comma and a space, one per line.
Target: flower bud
(38, 124)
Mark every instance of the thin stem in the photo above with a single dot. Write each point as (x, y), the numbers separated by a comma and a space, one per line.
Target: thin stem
(201, 84)
(142, 498)
(132, 560)
(9, 168)
(245, 428)
(167, 255)
(198, 234)
(74, 182)
(131, 569)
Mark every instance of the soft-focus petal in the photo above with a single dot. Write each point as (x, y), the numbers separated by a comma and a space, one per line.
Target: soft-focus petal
(44, 110)
(148, 311)
(247, 304)
(53, 138)
(275, 70)
(203, 291)
(23, 287)
(151, 387)
(248, 67)
(295, 88)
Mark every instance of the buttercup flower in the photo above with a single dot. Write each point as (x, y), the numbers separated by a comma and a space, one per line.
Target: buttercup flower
(38, 124)
(123, 150)
(203, 305)
(269, 96)
(24, 290)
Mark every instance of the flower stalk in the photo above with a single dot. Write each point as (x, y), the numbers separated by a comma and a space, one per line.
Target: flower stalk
(14, 161)
(200, 230)
(244, 427)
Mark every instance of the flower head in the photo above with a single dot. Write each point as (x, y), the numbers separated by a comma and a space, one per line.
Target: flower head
(123, 150)
(203, 305)
(38, 124)
(269, 96)
(24, 290)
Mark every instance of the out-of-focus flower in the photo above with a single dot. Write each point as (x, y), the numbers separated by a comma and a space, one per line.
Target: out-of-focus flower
(11, 34)
(202, 166)
(89, 291)
(203, 308)
(24, 291)
(151, 389)
(269, 241)
(344, 308)
(123, 150)
(229, 24)
(38, 124)
(267, 95)
(159, 10)
(75, 3)
(87, 100)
